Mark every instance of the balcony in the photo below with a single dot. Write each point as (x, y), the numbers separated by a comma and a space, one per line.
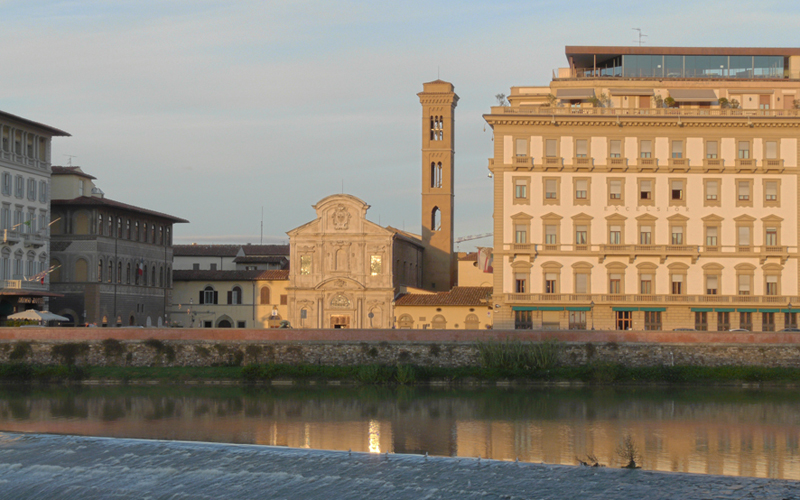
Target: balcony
(583, 163)
(638, 299)
(617, 164)
(745, 165)
(679, 164)
(522, 162)
(33, 240)
(556, 111)
(11, 237)
(20, 284)
(772, 165)
(648, 164)
(553, 163)
(660, 251)
(713, 164)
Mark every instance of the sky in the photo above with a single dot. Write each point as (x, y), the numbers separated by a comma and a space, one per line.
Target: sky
(217, 111)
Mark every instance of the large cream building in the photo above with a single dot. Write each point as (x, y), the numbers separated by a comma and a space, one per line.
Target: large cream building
(650, 188)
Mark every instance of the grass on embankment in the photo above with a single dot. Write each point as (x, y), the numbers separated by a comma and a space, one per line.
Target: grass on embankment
(510, 360)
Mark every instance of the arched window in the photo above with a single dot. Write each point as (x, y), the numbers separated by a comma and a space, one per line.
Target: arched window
(81, 224)
(438, 322)
(265, 296)
(100, 224)
(100, 270)
(169, 237)
(119, 227)
(81, 270)
(152, 233)
(128, 229)
(208, 295)
(436, 219)
(110, 221)
(55, 274)
(136, 231)
(235, 295)
(471, 322)
(436, 175)
(160, 235)
(153, 276)
(405, 321)
(110, 271)
(119, 272)
(169, 277)
(144, 232)
(161, 276)
(128, 274)
(144, 275)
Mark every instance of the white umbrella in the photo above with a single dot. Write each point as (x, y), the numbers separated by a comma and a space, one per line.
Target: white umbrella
(33, 314)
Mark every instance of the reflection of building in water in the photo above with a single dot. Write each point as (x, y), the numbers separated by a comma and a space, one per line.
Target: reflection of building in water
(760, 440)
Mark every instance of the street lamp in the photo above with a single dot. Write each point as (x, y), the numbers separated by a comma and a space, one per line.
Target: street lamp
(591, 305)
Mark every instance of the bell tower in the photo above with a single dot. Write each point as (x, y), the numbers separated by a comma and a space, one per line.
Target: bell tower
(439, 101)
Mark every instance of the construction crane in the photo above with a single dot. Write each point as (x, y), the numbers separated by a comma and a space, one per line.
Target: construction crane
(472, 237)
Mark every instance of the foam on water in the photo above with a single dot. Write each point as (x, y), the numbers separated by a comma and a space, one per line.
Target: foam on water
(83, 468)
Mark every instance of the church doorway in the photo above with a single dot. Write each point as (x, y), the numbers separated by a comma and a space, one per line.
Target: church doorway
(340, 321)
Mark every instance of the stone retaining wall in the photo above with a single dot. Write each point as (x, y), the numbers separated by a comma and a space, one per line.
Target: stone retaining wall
(451, 348)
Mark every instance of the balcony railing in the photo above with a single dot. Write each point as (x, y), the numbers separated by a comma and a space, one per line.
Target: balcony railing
(605, 298)
(564, 111)
(20, 284)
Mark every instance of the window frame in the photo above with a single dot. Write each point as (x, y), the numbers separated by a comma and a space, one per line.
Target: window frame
(525, 183)
(717, 202)
(646, 201)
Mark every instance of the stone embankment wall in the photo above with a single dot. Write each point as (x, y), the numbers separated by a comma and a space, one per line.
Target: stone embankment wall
(445, 348)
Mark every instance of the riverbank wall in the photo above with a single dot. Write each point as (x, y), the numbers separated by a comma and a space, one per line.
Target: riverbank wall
(434, 348)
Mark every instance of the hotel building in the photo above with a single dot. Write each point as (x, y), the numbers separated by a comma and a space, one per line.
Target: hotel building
(650, 188)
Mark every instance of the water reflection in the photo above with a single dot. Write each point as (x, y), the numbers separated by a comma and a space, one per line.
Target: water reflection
(719, 431)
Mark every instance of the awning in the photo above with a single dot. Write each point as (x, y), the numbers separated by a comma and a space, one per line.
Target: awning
(524, 308)
(624, 309)
(631, 91)
(769, 310)
(702, 309)
(746, 310)
(547, 308)
(792, 310)
(579, 308)
(575, 94)
(693, 95)
(724, 309)
(653, 309)
(751, 91)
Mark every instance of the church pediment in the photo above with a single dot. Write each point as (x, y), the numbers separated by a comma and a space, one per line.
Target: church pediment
(340, 284)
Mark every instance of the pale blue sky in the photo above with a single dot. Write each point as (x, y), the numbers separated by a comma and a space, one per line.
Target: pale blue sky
(209, 110)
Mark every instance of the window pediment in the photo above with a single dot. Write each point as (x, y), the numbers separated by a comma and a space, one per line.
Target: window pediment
(677, 218)
(551, 217)
(616, 217)
(519, 216)
(582, 217)
(772, 218)
(647, 218)
(713, 218)
(744, 218)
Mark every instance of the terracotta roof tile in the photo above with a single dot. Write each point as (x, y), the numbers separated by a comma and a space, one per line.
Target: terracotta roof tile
(458, 296)
(265, 249)
(205, 250)
(209, 275)
(57, 170)
(107, 202)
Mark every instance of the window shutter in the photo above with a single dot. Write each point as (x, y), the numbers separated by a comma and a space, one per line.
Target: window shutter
(711, 149)
(615, 148)
(744, 236)
(772, 279)
(551, 147)
(202, 296)
(771, 190)
(216, 297)
(581, 283)
(582, 184)
(677, 148)
(582, 147)
(230, 297)
(522, 146)
(711, 189)
(772, 150)
(744, 190)
(744, 283)
(677, 278)
(711, 282)
(646, 146)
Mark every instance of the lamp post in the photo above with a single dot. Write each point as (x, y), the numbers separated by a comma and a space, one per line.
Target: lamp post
(591, 305)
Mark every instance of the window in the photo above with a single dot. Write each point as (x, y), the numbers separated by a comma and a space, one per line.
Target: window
(723, 321)
(712, 284)
(551, 148)
(119, 272)
(744, 237)
(20, 187)
(523, 320)
(100, 270)
(646, 149)
(763, 102)
(712, 236)
(744, 150)
(110, 271)
(712, 190)
(646, 235)
(712, 151)
(677, 284)
(581, 189)
(676, 192)
(615, 283)
(521, 189)
(520, 234)
(551, 234)
(770, 193)
(771, 150)
(771, 285)
(6, 184)
(767, 321)
(32, 189)
(746, 320)
(646, 284)
(520, 281)
(264, 296)
(436, 219)
(521, 147)
(744, 284)
(128, 274)
(615, 189)
(305, 265)
(375, 265)
(582, 283)
(551, 283)
(646, 190)
(701, 321)
(436, 175)
(235, 295)
(676, 235)
(136, 231)
(208, 295)
(652, 320)
(771, 236)
(615, 235)
(581, 148)
(677, 149)
(790, 320)
(144, 232)
(743, 190)
(615, 148)
(577, 320)
(581, 233)
(128, 229)
(212, 266)
(550, 190)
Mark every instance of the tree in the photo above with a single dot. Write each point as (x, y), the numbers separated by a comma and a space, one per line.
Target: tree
(501, 100)
(628, 451)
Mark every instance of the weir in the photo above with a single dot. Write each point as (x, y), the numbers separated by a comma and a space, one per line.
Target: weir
(70, 467)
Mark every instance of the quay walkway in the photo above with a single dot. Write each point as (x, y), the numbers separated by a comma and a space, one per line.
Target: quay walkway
(87, 468)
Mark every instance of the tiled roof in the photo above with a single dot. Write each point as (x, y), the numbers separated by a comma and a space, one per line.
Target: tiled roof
(265, 249)
(205, 250)
(51, 130)
(106, 202)
(471, 256)
(261, 259)
(458, 296)
(208, 275)
(56, 170)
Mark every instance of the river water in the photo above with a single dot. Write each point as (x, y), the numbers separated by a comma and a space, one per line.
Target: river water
(737, 432)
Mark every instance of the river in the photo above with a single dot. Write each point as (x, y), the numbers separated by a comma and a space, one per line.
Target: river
(728, 431)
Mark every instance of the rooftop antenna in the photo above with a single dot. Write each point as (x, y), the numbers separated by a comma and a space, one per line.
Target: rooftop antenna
(69, 161)
(640, 35)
